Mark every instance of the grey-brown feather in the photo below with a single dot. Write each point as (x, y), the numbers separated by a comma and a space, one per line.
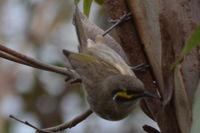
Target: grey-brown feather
(108, 72)
(99, 80)
(93, 71)
(100, 96)
(92, 30)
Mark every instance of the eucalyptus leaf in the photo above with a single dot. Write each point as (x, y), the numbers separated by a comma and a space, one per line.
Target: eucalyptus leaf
(182, 105)
(196, 112)
(177, 62)
(86, 7)
(192, 42)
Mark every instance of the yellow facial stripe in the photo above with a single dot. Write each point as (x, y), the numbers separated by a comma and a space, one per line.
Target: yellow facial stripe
(124, 94)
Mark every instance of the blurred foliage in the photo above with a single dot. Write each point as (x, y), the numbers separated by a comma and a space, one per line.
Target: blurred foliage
(76, 2)
(86, 7)
(192, 42)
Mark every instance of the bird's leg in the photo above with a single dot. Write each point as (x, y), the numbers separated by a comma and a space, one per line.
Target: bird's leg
(140, 68)
(123, 18)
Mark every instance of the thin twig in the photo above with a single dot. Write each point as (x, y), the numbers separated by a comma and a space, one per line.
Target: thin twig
(14, 59)
(140, 68)
(30, 125)
(23, 59)
(60, 127)
(125, 17)
(71, 123)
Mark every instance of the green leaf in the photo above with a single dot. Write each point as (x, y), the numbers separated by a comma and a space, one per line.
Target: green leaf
(86, 7)
(177, 62)
(76, 2)
(192, 42)
(100, 2)
(196, 112)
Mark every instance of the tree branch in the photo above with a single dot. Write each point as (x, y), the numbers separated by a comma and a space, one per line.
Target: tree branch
(14, 59)
(15, 56)
(71, 123)
(30, 125)
(123, 18)
(60, 127)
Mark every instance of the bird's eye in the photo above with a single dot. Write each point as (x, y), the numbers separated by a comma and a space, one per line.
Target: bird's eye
(121, 99)
(131, 92)
(115, 91)
(125, 96)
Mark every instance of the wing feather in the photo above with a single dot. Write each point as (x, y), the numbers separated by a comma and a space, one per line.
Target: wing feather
(90, 67)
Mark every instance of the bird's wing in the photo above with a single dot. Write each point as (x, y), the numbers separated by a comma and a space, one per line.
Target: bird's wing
(87, 30)
(90, 67)
(97, 48)
(109, 55)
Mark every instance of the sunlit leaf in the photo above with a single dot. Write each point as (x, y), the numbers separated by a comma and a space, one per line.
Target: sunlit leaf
(192, 42)
(86, 7)
(76, 2)
(196, 112)
(100, 2)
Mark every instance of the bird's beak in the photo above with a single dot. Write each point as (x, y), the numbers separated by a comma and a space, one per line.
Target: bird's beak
(147, 94)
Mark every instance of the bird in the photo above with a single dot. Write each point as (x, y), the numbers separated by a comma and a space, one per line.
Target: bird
(112, 89)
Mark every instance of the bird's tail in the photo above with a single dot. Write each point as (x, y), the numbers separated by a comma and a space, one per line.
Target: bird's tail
(80, 31)
(66, 53)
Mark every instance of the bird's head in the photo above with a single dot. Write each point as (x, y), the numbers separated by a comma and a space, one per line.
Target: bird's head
(117, 96)
(125, 88)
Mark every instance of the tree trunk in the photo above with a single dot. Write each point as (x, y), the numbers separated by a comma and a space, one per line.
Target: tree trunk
(156, 36)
